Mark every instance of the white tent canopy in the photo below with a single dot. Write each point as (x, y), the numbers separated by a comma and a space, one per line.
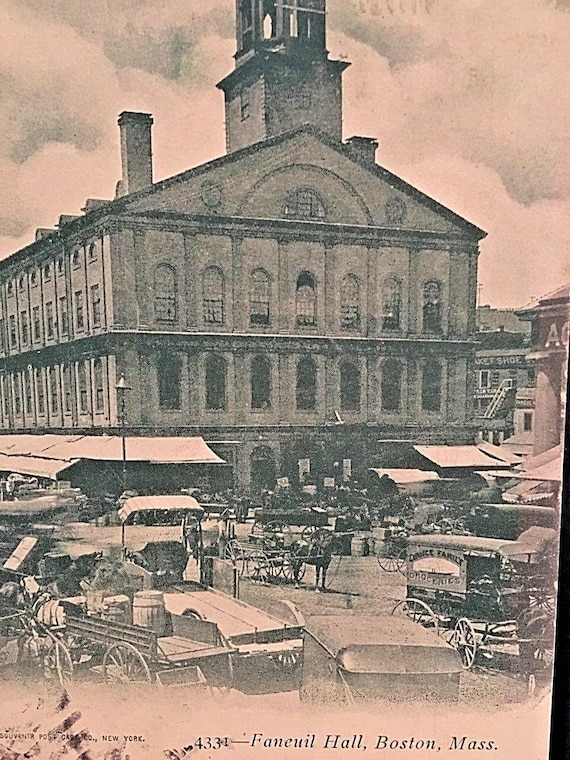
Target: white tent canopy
(47, 455)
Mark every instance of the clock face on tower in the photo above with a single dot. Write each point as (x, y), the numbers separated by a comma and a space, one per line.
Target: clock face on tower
(212, 195)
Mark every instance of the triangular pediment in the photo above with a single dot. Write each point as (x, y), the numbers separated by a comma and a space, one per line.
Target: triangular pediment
(260, 180)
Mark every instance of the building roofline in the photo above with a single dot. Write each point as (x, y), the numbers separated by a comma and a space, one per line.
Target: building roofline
(120, 204)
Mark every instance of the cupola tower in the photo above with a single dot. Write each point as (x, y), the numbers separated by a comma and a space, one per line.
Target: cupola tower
(283, 76)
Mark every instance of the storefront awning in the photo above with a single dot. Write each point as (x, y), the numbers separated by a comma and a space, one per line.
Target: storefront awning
(403, 477)
(157, 450)
(505, 456)
(35, 466)
(452, 457)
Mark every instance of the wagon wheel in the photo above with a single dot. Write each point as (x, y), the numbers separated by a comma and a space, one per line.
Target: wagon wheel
(235, 554)
(263, 569)
(57, 660)
(401, 561)
(463, 639)
(388, 564)
(287, 572)
(418, 612)
(122, 663)
(536, 634)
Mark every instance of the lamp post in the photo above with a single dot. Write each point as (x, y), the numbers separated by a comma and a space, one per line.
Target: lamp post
(122, 389)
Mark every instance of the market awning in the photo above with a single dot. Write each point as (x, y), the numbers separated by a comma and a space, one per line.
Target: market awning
(36, 466)
(156, 450)
(403, 477)
(163, 503)
(452, 457)
(499, 452)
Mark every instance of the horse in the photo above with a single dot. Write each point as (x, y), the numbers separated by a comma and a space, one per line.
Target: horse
(317, 550)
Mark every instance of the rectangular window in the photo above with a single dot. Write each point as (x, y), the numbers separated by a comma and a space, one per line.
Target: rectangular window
(79, 316)
(41, 391)
(244, 105)
(13, 333)
(24, 327)
(36, 323)
(6, 397)
(53, 390)
(527, 421)
(484, 378)
(17, 394)
(169, 381)
(27, 379)
(67, 387)
(50, 321)
(96, 305)
(63, 316)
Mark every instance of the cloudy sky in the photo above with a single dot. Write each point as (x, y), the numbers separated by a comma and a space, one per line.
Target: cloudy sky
(469, 99)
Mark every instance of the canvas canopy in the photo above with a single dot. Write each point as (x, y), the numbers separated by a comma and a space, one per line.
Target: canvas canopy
(161, 503)
(39, 467)
(157, 450)
(404, 477)
(380, 645)
(458, 456)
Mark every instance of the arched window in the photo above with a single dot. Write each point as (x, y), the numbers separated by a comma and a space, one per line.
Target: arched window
(304, 204)
(216, 371)
(99, 387)
(306, 299)
(306, 385)
(213, 295)
(169, 366)
(432, 307)
(260, 382)
(349, 387)
(259, 295)
(392, 304)
(82, 383)
(391, 385)
(431, 386)
(350, 302)
(165, 293)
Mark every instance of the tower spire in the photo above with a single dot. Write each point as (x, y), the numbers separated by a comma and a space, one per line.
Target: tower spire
(283, 75)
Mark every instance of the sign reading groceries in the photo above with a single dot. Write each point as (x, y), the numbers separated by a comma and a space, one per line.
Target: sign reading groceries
(437, 568)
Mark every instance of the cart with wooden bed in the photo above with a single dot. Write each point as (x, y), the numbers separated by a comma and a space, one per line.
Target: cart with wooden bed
(492, 599)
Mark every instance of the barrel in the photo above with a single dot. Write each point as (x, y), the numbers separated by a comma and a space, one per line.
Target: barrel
(357, 546)
(117, 609)
(149, 611)
(51, 613)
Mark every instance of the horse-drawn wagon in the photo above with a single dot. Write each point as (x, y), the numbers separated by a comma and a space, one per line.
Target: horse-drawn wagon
(492, 599)
(276, 543)
(180, 636)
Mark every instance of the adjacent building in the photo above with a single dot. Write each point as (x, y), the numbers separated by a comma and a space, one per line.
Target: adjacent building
(504, 379)
(292, 301)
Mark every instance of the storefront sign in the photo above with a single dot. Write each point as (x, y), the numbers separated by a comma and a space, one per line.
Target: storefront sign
(432, 568)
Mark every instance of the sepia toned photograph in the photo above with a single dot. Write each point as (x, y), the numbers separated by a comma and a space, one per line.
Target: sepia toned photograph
(284, 331)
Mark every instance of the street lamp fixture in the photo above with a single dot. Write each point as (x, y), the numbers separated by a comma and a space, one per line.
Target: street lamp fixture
(121, 387)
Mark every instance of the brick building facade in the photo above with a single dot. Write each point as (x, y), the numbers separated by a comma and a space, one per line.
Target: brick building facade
(291, 299)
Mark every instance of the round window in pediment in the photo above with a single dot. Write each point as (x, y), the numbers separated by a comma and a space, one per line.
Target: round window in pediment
(395, 210)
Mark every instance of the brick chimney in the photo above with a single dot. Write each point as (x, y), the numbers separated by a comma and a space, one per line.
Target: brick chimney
(136, 152)
(363, 148)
